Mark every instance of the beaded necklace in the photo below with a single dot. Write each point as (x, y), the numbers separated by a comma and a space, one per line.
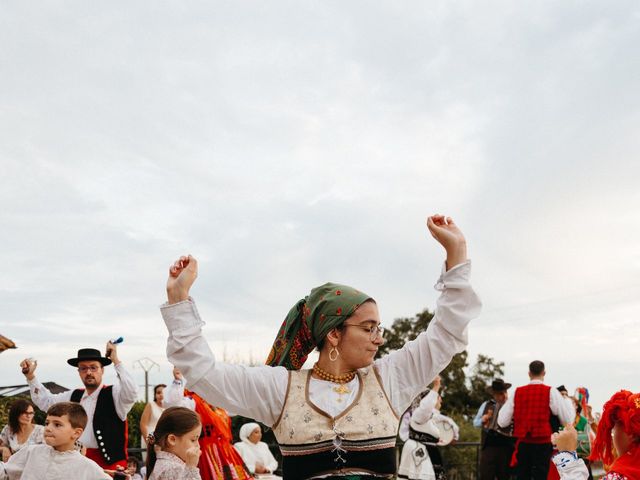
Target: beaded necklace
(343, 378)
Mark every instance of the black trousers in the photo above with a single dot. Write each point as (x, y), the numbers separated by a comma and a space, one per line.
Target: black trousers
(533, 461)
(436, 460)
(494, 462)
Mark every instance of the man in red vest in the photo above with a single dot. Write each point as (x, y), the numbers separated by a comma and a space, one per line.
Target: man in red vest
(531, 408)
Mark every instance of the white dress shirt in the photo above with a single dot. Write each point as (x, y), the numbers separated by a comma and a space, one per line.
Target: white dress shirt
(259, 392)
(124, 393)
(557, 405)
(426, 408)
(42, 462)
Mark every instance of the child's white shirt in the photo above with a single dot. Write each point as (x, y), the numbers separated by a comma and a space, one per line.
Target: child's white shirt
(42, 462)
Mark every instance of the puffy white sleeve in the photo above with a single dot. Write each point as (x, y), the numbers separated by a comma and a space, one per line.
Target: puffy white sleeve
(255, 392)
(407, 372)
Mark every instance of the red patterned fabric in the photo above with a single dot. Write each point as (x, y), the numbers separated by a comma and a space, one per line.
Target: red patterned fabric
(531, 413)
(219, 459)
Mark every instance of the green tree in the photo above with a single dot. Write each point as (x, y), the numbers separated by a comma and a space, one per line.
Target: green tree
(403, 330)
(133, 424)
(462, 395)
(485, 370)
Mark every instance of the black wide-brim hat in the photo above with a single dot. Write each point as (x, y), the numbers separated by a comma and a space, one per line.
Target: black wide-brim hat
(498, 385)
(89, 354)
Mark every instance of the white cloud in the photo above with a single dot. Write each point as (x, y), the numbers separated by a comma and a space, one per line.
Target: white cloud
(289, 144)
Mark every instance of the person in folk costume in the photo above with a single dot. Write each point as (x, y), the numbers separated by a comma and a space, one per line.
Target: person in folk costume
(497, 442)
(256, 454)
(531, 409)
(338, 420)
(106, 435)
(420, 458)
(617, 442)
(582, 425)
(445, 424)
(151, 415)
(219, 459)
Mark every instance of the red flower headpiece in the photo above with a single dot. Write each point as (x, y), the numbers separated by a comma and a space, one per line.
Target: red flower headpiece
(623, 407)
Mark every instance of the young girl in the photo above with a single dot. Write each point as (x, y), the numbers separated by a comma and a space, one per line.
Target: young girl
(173, 447)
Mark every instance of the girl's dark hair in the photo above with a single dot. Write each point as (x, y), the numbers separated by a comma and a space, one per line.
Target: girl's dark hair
(174, 420)
(155, 390)
(18, 408)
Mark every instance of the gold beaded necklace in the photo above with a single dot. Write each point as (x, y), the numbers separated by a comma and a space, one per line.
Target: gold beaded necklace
(344, 378)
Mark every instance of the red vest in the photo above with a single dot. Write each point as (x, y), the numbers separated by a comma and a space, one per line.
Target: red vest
(532, 414)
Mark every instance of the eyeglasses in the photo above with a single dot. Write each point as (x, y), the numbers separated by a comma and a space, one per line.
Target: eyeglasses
(91, 369)
(29, 414)
(375, 331)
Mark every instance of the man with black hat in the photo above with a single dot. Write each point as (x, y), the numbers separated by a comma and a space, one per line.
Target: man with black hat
(497, 442)
(106, 406)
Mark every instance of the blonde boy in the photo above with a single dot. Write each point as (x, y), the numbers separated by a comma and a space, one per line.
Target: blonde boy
(59, 458)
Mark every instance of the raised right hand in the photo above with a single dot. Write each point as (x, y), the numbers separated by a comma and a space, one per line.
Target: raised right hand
(28, 368)
(182, 274)
(447, 233)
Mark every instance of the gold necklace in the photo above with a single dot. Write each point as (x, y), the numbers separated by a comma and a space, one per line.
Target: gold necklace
(344, 378)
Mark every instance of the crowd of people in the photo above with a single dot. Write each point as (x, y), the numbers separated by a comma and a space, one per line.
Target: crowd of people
(338, 420)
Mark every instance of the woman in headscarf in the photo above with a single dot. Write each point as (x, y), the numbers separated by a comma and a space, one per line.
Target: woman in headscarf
(339, 419)
(256, 454)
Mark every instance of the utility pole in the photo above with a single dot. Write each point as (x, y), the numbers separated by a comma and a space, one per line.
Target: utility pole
(146, 364)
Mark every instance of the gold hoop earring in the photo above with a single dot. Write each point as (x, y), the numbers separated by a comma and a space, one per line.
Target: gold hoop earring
(331, 352)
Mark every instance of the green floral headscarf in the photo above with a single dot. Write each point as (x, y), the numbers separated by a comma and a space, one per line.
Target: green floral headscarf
(310, 320)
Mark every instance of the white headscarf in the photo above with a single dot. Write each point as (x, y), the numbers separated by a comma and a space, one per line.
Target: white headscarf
(246, 430)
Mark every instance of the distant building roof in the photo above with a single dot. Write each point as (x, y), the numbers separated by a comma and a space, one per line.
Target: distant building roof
(23, 390)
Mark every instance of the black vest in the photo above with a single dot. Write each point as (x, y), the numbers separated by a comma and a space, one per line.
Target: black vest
(494, 435)
(110, 432)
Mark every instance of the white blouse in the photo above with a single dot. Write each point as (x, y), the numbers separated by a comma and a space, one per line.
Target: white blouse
(42, 462)
(171, 467)
(156, 411)
(10, 439)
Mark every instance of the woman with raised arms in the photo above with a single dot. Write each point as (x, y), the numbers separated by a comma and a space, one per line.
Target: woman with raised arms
(339, 419)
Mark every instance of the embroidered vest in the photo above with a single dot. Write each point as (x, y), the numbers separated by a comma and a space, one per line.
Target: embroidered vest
(532, 414)
(360, 439)
(111, 433)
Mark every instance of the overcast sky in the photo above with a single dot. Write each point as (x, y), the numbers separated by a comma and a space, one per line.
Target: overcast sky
(290, 143)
